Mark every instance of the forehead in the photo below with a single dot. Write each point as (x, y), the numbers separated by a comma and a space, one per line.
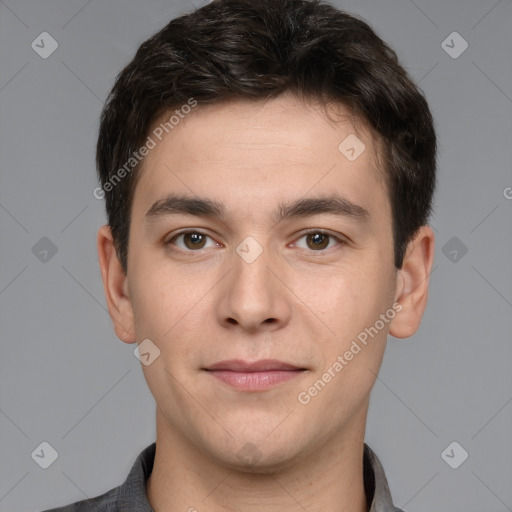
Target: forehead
(284, 120)
(258, 149)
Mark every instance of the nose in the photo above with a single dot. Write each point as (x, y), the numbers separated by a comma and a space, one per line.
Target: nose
(254, 295)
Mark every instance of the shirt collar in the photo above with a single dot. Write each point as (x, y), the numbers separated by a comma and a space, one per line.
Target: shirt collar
(133, 497)
(376, 484)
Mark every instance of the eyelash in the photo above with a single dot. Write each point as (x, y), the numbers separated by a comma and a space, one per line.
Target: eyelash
(169, 242)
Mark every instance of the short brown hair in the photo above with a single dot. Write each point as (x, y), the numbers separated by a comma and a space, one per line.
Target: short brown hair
(258, 49)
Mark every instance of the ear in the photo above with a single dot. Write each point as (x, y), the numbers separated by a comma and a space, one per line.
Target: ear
(115, 284)
(412, 284)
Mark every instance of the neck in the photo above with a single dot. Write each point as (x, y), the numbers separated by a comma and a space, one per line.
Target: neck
(330, 478)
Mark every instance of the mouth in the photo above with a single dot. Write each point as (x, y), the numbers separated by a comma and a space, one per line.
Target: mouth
(255, 376)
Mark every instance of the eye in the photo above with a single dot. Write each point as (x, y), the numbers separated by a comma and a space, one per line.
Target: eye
(191, 241)
(318, 240)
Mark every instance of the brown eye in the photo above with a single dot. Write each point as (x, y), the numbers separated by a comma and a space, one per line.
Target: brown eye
(189, 241)
(194, 240)
(317, 241)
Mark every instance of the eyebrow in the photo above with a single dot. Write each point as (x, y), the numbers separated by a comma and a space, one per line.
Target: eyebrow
(334, 204)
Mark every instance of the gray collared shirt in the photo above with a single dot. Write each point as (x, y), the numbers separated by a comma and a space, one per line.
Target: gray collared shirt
(131, 495)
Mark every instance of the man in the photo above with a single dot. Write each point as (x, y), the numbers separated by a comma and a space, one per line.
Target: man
(268, 169)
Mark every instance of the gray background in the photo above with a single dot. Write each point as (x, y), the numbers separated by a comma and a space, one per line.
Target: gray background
(67, 380)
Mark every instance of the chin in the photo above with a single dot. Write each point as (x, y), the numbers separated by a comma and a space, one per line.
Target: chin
(257, 454)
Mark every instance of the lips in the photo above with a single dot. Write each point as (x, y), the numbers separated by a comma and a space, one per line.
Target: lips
(265, 365)
(256, 376)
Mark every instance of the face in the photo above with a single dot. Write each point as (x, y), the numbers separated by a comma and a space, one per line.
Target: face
(283, 257)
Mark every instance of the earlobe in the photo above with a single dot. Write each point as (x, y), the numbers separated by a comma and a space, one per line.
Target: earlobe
(115, 285)
(412, 283)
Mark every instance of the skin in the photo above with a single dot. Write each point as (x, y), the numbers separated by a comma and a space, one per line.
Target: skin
(295, 303)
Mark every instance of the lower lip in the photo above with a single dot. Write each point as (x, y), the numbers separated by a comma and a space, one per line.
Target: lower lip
(255, 381)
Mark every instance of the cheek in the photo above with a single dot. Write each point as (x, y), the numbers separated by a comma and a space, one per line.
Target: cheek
(351, 306)
(346, 300)
(162, 298)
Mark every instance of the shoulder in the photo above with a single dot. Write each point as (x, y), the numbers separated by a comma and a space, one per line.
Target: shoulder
(130, 496)
(104, 503)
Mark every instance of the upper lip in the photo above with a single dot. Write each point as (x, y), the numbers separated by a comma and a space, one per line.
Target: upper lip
(238, 365)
